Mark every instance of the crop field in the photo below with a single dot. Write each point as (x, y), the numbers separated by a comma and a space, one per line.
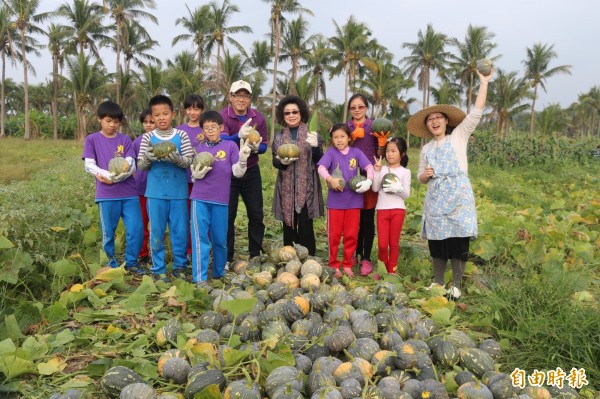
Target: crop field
(529, 310)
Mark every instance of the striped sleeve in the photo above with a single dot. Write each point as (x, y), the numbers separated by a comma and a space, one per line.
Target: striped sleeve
(187, 152)
(143, 162)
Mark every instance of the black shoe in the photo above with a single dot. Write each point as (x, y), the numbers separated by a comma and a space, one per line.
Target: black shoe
(145, 260)
(160, 277)
(137, 270)
(179, 272)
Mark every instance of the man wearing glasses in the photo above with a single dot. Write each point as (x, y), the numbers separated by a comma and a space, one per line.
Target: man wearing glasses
(238, 119)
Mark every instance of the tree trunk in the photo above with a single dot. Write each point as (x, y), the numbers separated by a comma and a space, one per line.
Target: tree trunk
(118, 67)
(293, 89)
(470, 92)
(532, 120)
(346, 84)
(277, 24)
(54, 97)
(25, 87)
(2, 98)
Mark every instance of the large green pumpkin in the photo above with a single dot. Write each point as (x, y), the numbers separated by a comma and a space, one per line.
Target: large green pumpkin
(381, 125)
(138, 390)
(117, 378)
(163, 149)
(200, 380)
(118, 165)
(337, 174)
(288, 151)
(203, 159)
(484, 66)
(355, 180)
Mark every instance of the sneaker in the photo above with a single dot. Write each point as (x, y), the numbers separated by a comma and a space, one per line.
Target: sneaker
(434, 285)
(189, 259)
(366, 268)
(137, 270)
(454, 293)
(145, 260)
(160, 277)
(179, 272)
(227, 265)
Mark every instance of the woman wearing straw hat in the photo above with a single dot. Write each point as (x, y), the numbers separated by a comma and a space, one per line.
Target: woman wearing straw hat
(449, 219)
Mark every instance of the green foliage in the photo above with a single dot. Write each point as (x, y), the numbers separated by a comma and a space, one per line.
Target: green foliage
(41, 125)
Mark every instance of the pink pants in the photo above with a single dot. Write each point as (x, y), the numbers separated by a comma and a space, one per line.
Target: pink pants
(389, 228)
(342, 222)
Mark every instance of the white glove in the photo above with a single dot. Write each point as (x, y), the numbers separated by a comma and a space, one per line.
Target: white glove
(392, 187)
(149, 155)
(245, 150)
(245, 129)
(120, 177)
(363, 186)
(174, 157)
(312, 139)
(199, 172)
(287, 161)
(253, 146)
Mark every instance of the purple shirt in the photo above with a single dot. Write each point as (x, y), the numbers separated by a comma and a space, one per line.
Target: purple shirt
(215, 186)
(196, 138)
(140, 176)
(232, 126)
(349, 164)
(368, 144)
(102, 149)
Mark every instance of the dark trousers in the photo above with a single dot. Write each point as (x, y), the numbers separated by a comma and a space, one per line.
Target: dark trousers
(366, 234)
(250, 188)
(301, 232)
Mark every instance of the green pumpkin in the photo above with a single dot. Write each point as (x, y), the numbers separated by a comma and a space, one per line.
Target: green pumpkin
(339, 339)
(484, 66)
(476, 361)
(163, 148)
(355, 180)
(117, 378)
(242, 389)
(176, 369)
(118, 165)
(474, 390)
(389, 178)
(337, 174)
(492, 347)
(446, 354)
(288, 151)
(138, 390)
(168, 332)
(203, 159)
(380, 125)
(202, 379)
(280, 377)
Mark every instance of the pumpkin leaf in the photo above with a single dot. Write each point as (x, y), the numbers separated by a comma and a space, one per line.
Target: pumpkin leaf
(52, 366)
(13, 366)
(210, 392)
(434, 303)
(234, 356)
(13, 261)
(10, 328)
(238, 306)
(441, 317)
(5, 243)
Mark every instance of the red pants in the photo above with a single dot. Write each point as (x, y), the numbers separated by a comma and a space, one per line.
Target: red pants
(342, 222)
(389, 228)
(144, 251)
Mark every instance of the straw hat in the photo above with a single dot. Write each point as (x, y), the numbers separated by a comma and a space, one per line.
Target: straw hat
(416, 123)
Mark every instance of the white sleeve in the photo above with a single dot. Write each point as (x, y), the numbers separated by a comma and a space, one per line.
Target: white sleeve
(93, 169)
(238, 169)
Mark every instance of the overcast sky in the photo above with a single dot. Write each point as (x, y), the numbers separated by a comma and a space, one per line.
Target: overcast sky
(572, 26)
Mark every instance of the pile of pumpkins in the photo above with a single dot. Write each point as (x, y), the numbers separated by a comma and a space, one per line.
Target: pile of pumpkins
(347, 343)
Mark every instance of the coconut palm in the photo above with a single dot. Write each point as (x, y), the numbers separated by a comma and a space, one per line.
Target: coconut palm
(123, 12)
(233, 67)
(84, 25)
(590, 101)
(506, 96)
(426, 54)
(352, 42)
(537, 70)
(447, 93)
(136, 46)
(86, 80)
(258, 63)
(277, 19)
(25, 19)
(183, 77)
(57, 36)
(318, 61)
(552, 119)
(150, 83)
(295, 47)
(198, 25)
(8, 49)
(476, 45)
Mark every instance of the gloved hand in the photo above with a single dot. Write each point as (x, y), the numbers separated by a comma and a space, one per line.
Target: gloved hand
(363, 186)
(392, 187)
(120, 177)
(381, 138)
(199, 171)
(174, 157)
(245, 150)
(287, 161)
(149, 155)
(245, 129)
(253, 146)
(312, 139)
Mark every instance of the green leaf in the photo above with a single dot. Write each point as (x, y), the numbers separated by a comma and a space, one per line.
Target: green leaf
(60, 339)
(13, 366)
(10, 328)
(63, 268)
(5, 243)
(12, 261)
(441, 317)
(7, 346)
(210, 392)
(52, 366)
(233, 356)
(55, 313)
(135, 302)
(38, 349)
(238, 306)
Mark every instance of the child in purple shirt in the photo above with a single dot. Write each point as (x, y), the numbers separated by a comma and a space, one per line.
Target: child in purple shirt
(343, 204)
(210, 197)
(116, 195)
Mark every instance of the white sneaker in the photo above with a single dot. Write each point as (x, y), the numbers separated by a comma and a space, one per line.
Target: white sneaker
(434, 285)
(454, 293)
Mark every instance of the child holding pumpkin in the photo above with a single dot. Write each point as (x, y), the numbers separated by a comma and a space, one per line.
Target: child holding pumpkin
(393, 184)
(166, 153)
(210, 195)
(338, 165)
(115, 190)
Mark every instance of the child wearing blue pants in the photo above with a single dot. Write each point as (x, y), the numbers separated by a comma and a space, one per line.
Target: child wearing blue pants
(210, 197)
(115, 194)
(166, 188)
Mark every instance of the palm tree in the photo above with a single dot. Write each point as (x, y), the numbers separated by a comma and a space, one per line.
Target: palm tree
(258, 62)
(318, 61)
(182, 78)
(220, 17)
(477, 45)
(24, 12)
(352, 44)
(86, 79)
(590, 101)
(136, 44)
(150, 83)
(84, 25)
(553, 119)
(447, 93)
(7, 49)
(233, 67)
(56, 44)
(537, 70)
(198, 25)
(506, 96)
(426, 54)
(278, 9)
(124, 11)
(296, 47)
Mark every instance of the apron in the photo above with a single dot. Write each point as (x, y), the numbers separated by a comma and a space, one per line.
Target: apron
(449, 207)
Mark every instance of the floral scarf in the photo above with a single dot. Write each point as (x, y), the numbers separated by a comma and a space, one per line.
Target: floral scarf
(295, 177)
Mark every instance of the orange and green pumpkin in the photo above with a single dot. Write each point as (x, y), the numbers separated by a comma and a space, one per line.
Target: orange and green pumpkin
(381, 125)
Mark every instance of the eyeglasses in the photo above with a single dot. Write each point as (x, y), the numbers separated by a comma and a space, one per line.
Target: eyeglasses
(357, 108)
(434, 119)
(241, 96)
(211, 129)
(287, 113)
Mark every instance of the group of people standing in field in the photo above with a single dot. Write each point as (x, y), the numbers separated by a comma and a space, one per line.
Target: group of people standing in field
(198, 203)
